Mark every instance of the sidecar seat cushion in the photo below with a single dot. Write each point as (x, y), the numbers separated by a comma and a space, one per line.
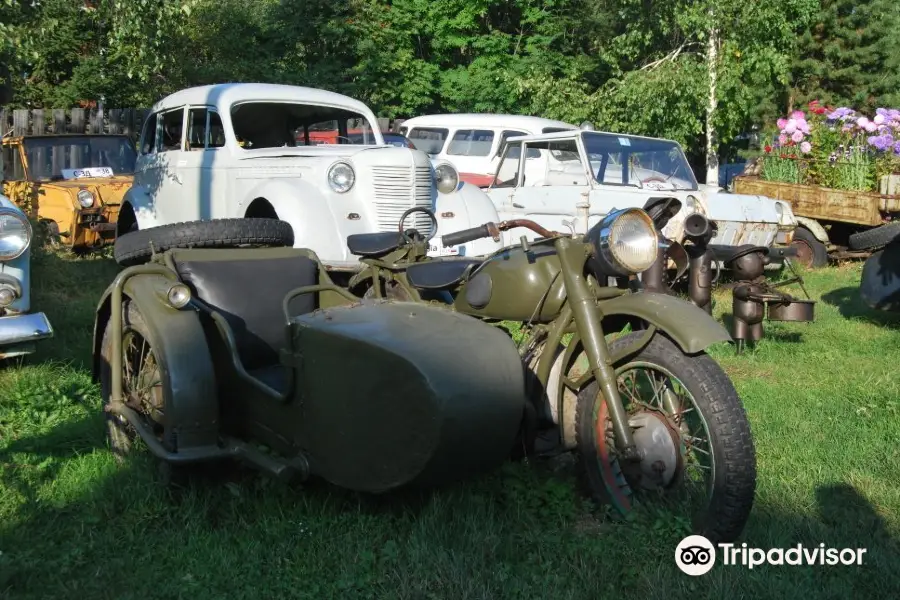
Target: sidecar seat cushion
(248, 288)
(374, 244)
(440, 273)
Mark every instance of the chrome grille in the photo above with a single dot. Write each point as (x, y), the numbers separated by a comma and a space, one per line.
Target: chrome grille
(397, 189)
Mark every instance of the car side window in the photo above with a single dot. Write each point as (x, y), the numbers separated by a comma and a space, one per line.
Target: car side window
(507, 175)
(204, 129)
(215, 134)
(428, 140)
(471, 142)
(530, 153)
(148, 135)
(564, 164)
(12, 168)
(172, 129)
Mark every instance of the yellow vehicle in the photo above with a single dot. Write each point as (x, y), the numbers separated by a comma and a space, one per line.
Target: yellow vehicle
(71, 184)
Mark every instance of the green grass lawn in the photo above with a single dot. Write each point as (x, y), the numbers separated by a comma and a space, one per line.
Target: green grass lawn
(823, 399)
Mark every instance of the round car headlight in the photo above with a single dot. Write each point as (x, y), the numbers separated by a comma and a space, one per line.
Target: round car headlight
(85, 198)
(625, 242)
(446, 178)
(15, 234)
(341, 177)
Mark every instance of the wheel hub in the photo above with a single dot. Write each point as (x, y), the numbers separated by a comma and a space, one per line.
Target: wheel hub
(659, 445)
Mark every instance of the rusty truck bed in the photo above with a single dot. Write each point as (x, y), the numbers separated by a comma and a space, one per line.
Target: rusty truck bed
(844, 206)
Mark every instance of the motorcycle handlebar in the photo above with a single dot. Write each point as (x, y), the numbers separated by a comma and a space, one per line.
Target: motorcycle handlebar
(493, 230)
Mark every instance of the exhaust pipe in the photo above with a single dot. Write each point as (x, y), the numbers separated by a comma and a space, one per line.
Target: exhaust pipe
(699, 231)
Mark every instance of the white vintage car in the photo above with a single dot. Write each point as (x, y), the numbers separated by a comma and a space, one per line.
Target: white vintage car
(313, 158)
(557, 178)
(19, 327)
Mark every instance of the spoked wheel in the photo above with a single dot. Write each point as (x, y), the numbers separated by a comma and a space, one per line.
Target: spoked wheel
(698, 458)
(143, 387)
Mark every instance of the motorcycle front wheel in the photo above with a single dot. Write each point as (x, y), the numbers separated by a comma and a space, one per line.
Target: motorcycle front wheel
(691, 430)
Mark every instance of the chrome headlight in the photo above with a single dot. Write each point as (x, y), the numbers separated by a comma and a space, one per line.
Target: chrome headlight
(341, 177)
(85, 198)
(625, 242)
(446, 178)
(693, 204)
(15, 234)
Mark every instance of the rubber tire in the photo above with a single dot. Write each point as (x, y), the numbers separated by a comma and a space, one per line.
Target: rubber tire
(734, 486)
(121, 437)
(136, 247)
(876, 237)
(819, 250)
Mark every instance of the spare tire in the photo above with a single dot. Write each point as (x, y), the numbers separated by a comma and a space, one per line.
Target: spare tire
(875, 238)
(136, 247)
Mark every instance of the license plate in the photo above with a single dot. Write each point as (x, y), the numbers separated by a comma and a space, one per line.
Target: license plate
(87, 173)
(441, 251)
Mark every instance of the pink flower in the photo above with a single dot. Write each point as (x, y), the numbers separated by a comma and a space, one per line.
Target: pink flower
(781, 123)
(797, 137)
(878, 120)
(862, 122)
(803, 126)
(798, 114)
(782, 140)
(870, 126)
(791, 126)
(805, 147)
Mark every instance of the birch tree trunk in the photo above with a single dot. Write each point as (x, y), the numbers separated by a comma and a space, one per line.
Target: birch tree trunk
(712, 144)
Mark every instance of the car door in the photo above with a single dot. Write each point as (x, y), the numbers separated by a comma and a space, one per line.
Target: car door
(168, 169)
(555, 181)
(199, 167)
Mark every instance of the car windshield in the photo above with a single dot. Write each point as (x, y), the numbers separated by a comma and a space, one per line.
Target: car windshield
(53, 158)
(642, 162)
(287, 124)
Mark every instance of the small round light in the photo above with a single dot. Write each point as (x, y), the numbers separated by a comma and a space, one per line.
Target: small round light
(625, 242)
(85, 198)
(694, 205)
(179, 295)
(779, 210)
(446, 178)
(341, 177)
(15, 233)
(7, 296)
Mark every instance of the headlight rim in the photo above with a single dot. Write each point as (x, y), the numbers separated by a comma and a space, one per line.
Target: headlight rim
(603, 259)
(330, 180)
(89, 194)
(438, 180)
(29, 232)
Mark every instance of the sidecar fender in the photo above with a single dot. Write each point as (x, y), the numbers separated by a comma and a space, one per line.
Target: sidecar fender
(181, 348)
(688, 325)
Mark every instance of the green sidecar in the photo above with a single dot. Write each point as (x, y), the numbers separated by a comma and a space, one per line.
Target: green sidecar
(254, 354)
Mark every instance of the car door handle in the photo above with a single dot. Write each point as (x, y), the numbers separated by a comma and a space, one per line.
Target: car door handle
(175, 177)
(517, 205)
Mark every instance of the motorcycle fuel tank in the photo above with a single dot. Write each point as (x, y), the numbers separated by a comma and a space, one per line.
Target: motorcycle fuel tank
(394, 394)
(516, 285)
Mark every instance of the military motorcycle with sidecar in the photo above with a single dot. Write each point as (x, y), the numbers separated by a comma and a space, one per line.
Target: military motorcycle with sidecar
(647, 411)
(207, 353)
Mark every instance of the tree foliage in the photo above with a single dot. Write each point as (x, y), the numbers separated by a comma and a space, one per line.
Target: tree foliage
(626, 65)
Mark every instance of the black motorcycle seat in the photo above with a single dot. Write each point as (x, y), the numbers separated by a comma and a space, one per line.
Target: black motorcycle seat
(441, 273)
(248, 287)
(374, 244)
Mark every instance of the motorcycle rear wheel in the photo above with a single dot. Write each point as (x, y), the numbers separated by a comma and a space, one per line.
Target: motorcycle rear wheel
(707, 437)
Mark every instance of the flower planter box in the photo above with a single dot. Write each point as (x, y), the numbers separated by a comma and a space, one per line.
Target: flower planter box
(825, 204)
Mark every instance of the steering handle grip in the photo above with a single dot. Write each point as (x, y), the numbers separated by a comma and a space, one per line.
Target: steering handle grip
(469, 235)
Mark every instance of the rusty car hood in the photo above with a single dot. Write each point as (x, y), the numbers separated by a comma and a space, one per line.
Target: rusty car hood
(110, 190)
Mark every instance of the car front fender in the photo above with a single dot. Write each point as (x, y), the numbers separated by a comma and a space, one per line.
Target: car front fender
(465, 208)
(309, 213)
(142, 204)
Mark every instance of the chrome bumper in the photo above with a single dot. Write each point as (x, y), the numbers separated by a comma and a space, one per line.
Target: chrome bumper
(31, 327)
